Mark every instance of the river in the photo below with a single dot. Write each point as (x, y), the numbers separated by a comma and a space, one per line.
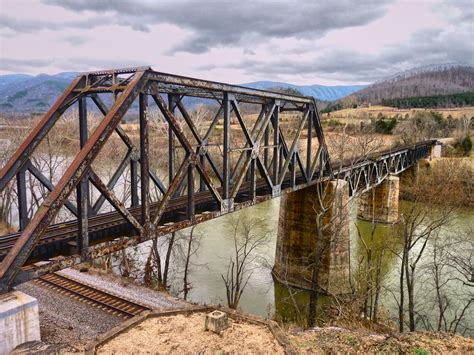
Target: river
(262, 296)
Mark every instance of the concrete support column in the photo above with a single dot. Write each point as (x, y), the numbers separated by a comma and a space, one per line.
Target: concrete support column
(380, 204)
(436, 151)
(19, 320)
(308, 232)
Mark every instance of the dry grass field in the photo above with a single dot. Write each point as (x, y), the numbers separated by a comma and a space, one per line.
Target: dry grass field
(353, 115)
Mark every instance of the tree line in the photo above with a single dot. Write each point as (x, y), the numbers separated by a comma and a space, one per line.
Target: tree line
(453, 100)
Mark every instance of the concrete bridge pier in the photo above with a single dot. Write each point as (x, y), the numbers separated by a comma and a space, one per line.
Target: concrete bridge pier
(380, 204)
(19, 320)
(301, 240)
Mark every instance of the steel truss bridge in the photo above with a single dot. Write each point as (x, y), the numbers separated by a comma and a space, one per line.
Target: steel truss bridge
(209, 173)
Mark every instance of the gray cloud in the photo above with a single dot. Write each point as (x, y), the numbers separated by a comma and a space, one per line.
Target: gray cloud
(69, 64)
(254, 28)
(75, 40)
(432, 46)
(20, 25)
(225, 23)
(24, 25)
(22, 65)
(85, 64)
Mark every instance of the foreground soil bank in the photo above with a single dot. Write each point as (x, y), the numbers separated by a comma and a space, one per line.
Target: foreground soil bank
(186, 334)
(340, 340)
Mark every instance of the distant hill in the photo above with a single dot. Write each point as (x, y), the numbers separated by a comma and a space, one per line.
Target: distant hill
(320, 92)
(420, 82)
(27, 93)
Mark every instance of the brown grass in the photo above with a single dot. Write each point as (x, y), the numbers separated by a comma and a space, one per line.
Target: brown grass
(353, 115)
(339, 340)
(183, 334)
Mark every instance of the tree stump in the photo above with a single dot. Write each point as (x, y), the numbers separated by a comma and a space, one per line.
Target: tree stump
(217, 321)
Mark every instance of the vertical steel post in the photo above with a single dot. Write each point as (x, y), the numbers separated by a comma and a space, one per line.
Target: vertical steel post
(22, 202)
(293, 169)
(267, 143)
(202, 183)
(172, 107)
(253, 180)
(280, 161)
(276, 144)
(144, 160)
(309, 145)
(248, 173)
(133, 181)
(226, 172)
(82, 190)
(190, 207)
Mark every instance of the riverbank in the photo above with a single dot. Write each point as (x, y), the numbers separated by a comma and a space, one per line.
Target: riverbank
(184, 332)
(341, 340)
(447, 181)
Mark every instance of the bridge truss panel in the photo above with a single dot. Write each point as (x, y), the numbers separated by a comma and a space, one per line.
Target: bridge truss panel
(248, 150)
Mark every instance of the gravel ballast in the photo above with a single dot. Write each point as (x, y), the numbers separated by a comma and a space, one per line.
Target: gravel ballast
(65, 320)
(128, 290)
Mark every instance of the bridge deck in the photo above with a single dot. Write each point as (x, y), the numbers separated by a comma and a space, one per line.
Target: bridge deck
(59, 238)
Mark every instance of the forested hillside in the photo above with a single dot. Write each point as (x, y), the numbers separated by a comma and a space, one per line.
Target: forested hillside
(423, 82)
(434, 101)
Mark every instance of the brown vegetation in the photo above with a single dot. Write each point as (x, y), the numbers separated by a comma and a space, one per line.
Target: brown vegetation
(186, 334)
(340, 340)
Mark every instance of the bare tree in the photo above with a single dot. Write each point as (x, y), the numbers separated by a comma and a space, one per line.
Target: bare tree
(370, 274)
(247, 238)
(419, 224)
(156, 269)
(192, 244)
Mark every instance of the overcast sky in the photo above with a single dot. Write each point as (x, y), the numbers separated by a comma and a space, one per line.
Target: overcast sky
(302, 42)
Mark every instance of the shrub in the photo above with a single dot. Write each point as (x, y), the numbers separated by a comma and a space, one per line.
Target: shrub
(334, 123)
(385, 126)
(466, 145)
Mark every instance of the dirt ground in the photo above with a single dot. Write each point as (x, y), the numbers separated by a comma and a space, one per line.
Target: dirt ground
(339, 340)
(186, 334)
(4, 229)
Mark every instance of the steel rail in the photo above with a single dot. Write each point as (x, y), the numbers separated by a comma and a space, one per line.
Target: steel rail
(98, 298)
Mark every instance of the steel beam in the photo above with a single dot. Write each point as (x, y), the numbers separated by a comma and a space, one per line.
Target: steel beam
(51, 205)
(83, 203)
(22, 154)
(144, 160)
(226, 148)
(22, 200)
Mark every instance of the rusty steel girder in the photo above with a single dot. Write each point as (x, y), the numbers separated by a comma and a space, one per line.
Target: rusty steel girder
(233, 176)
(230, 183)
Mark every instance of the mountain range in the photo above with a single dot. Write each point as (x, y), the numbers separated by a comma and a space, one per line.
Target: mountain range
(431, 80)
(320, 92)
(28, 93)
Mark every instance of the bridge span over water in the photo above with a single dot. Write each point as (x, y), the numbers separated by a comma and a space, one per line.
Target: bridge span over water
(233, 163)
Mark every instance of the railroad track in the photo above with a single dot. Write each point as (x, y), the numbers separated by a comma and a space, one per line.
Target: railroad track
(100, 299)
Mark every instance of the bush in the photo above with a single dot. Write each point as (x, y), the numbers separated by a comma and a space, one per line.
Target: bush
(385, 126)
(466, 145)
(334, 123)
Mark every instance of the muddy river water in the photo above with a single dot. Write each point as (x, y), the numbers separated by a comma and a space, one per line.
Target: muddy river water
(264, 296)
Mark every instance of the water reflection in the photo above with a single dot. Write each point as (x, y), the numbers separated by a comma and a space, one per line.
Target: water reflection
(267, 298)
